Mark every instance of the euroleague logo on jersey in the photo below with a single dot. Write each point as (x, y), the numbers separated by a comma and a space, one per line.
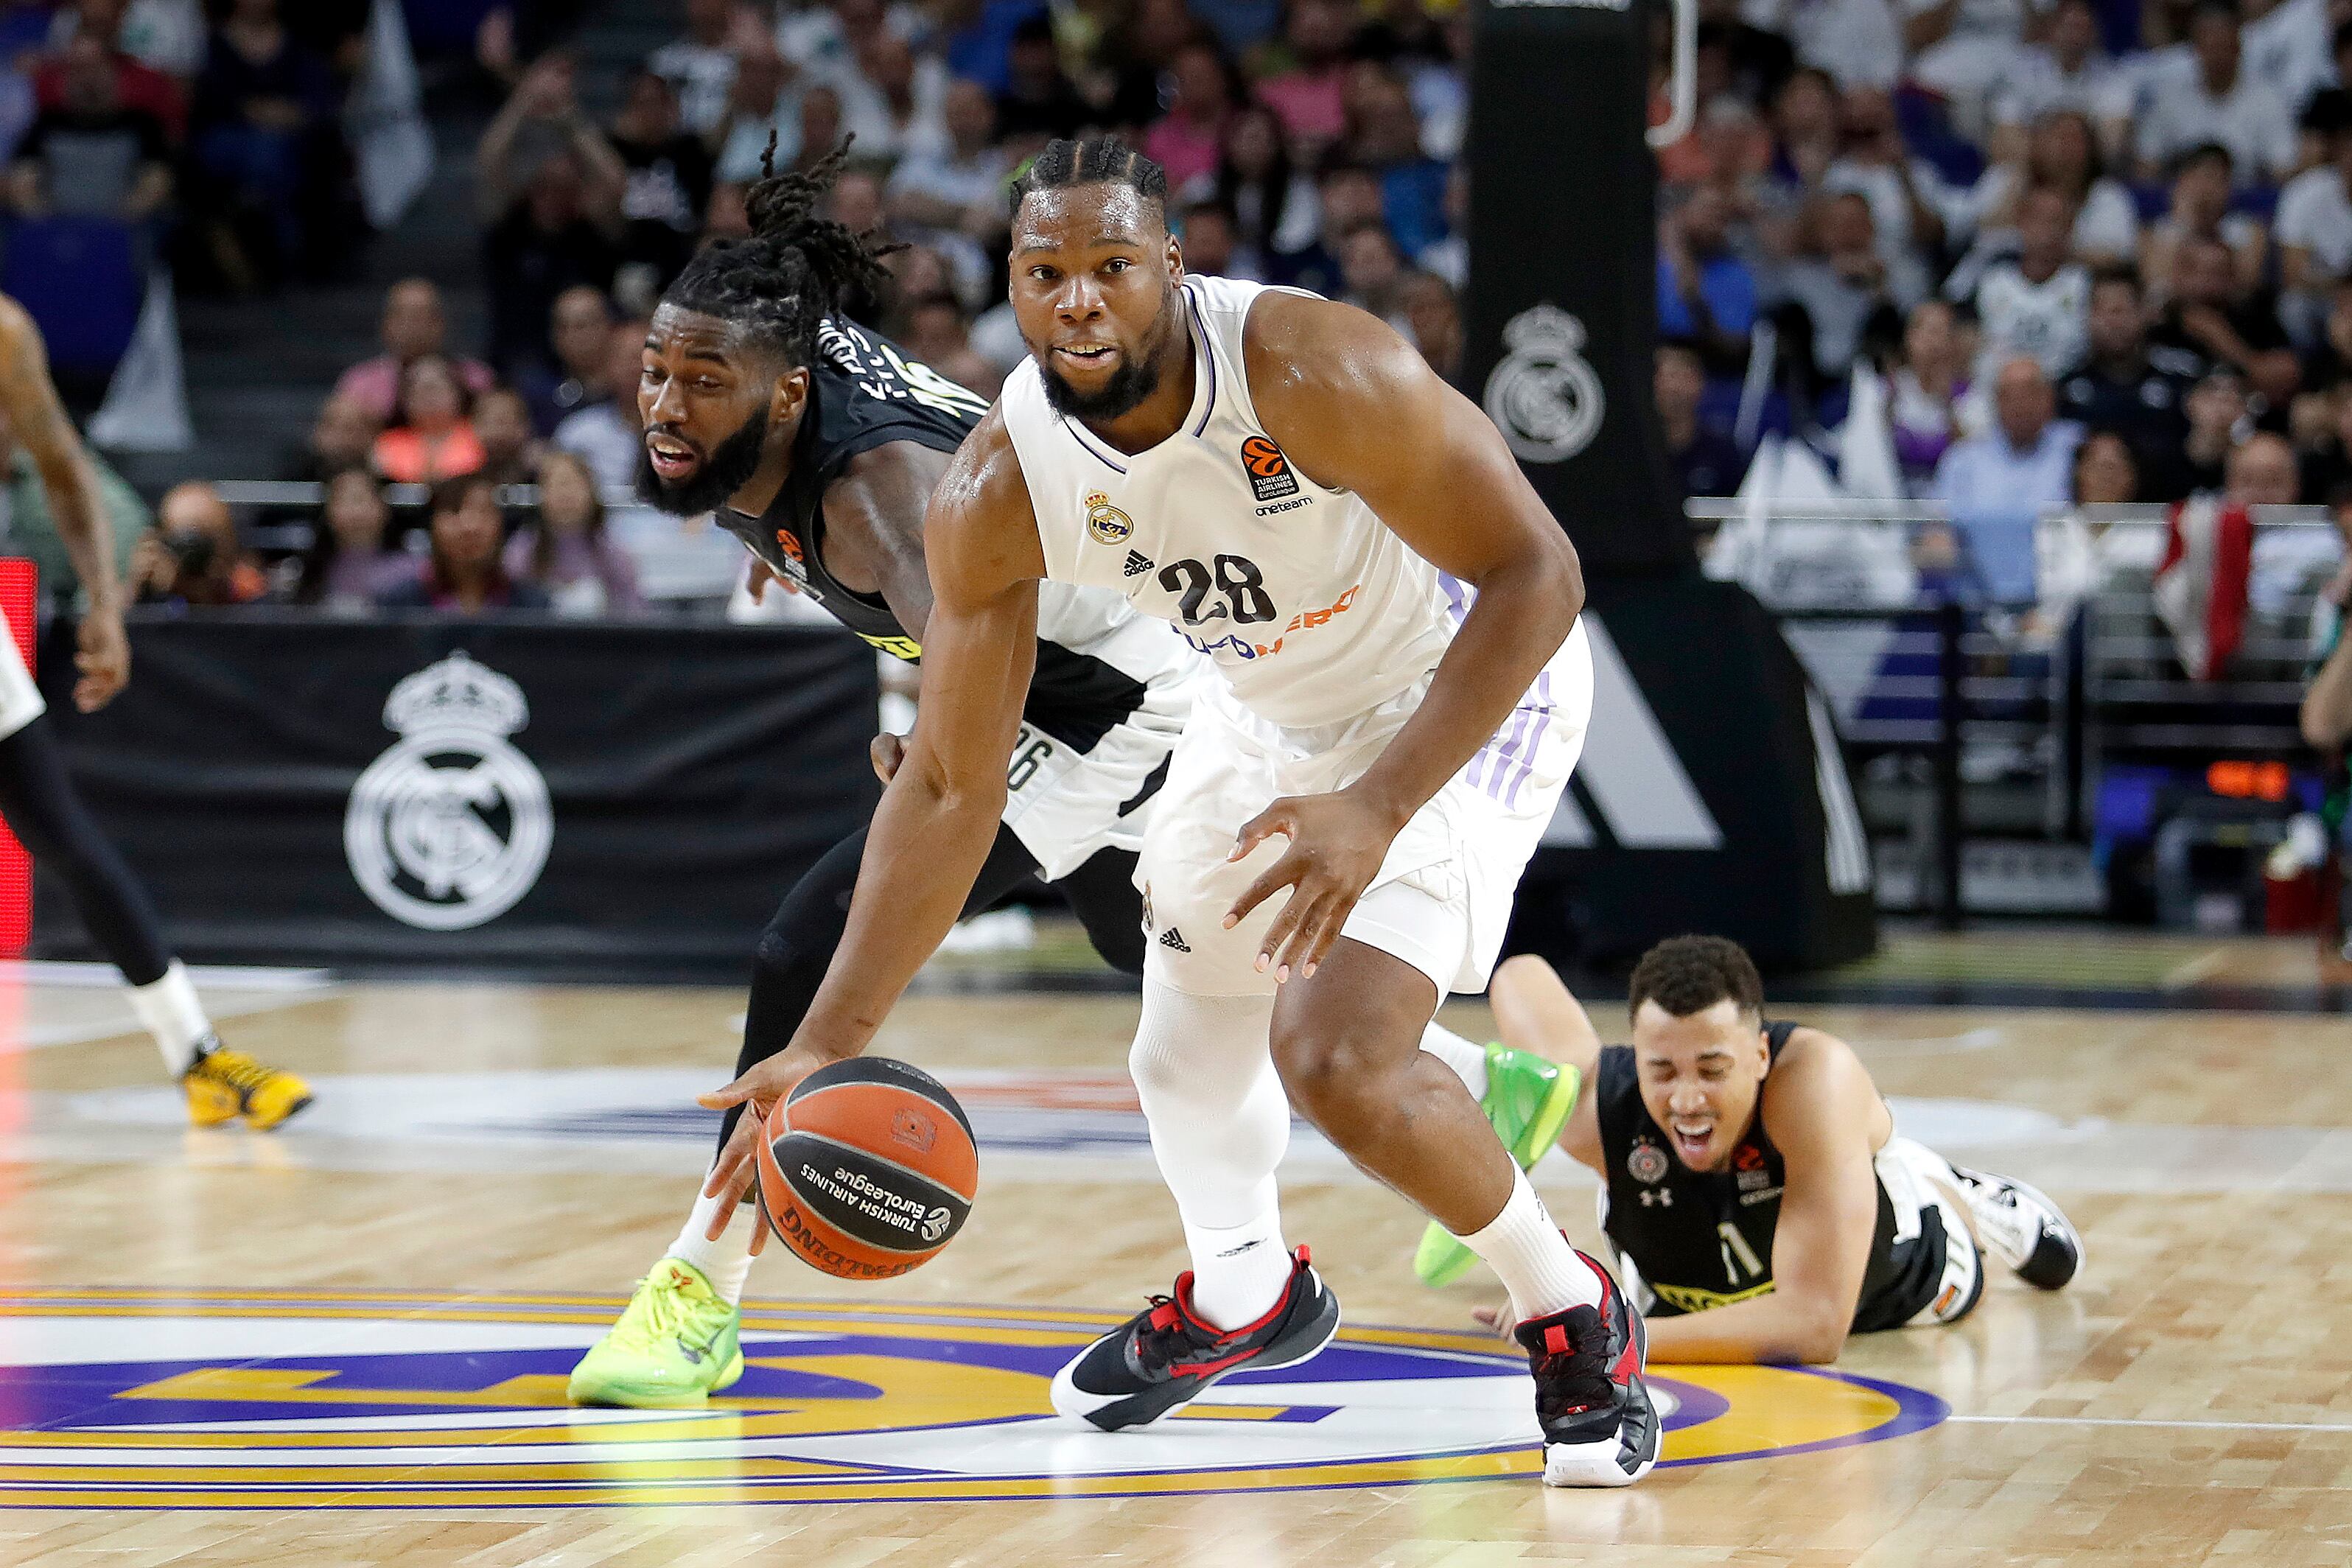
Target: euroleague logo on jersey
(1269, 471)
(1106, 524)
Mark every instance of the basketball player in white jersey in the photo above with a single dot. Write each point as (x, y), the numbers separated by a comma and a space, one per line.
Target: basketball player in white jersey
(1406, 688)
(36, 795)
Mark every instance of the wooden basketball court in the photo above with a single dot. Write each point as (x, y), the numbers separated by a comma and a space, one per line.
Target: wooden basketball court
(346, 1344)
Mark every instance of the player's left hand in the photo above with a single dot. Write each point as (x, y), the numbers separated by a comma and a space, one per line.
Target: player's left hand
(104, 657)
(757, 1091)
(1337, 844)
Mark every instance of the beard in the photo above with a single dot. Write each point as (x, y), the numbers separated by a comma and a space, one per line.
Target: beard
(724, 470)
(1137, 377)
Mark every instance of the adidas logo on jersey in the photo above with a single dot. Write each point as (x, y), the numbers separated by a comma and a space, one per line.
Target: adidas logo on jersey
(1138, 563)
(1173, 939)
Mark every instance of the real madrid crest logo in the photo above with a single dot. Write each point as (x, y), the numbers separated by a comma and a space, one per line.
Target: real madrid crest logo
(452, 825)
(1105, 523)
(1646, 1163)
(1543, 397)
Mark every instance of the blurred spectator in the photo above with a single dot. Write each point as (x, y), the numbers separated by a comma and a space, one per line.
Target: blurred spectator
(1998, 484)
(2037, 304)
(2106, 470)
(700, 65)
(608, 436)
(1140, 51)
(1754, 60)
(2315, 231)
(579, 324)
(2217, 102)
(1857, 42)
(1309, 93)
(955, 198)
(763, 107)
(1922, 395)
(2262, 472)
(349, 562)
(934, 332)
(1433, 319)
(413, 326)
(1705, 292)
(91, 153)
(1852, 281)
(264, 127)
(668, 189)
(1274, 204)
(2067, 72)
(2060, 154)
(1965, 49)
(464, 574)
(1705, 462)
(2208, 317)
(555, 222)
(1346, 196)
(2200, 210)
(1907, 197)
(1805, 137)
(33, 527)
(1387, 141)
(137, 87)
(2326, 713)
(1211, 240)
(2326, 453)
(2125, 384)
(1372, 269)
(511, 447)
(341, 437)
(431, 437)
(823, 39)
(2329, 363)
(1185, 140)
(565, 550)
(2218, 421)
(1039, 100)
(192, 555)
(2072, 555)
(166, 35)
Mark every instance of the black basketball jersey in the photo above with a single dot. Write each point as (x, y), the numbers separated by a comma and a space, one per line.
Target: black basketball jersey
(863, 393)
(1704, 1238)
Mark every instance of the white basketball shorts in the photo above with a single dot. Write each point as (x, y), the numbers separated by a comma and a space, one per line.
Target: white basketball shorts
(20, 700)
(1065, 805)
(1442, 899)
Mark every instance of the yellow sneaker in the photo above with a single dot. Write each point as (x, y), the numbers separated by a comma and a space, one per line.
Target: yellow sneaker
(222, 1084)
(675, 1345)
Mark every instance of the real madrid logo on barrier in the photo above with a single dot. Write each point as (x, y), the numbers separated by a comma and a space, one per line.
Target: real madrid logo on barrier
(269, 1399)
(451, 825)
(1543, 395)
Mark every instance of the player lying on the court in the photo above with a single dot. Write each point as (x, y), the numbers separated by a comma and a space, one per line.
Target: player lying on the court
(1394, 612)
(36, 793)
(819, 443)
(1760, 1203)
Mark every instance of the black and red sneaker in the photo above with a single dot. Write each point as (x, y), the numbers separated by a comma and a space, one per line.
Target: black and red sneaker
(1164, 1356)
(1599, 1429)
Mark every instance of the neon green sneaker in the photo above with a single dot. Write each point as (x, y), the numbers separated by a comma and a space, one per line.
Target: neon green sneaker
(1528, 1100)
(675, 1345)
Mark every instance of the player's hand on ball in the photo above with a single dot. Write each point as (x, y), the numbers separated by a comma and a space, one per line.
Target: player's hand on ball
(1337, 844)
(757, 1091)
(104, 657)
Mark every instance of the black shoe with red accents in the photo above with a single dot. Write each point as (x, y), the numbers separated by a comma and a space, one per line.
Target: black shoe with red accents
(1599, 1429)
(1165, 1355)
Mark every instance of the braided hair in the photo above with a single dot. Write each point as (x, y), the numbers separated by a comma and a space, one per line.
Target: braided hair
(796, 269)
(1093, 161)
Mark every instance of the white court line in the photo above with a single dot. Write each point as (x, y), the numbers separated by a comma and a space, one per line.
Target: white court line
(85, 977)
(2137, 1421)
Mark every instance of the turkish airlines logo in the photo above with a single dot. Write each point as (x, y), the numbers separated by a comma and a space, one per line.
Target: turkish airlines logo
(1269, 471)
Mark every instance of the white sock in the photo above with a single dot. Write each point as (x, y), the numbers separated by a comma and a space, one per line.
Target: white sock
(726, 1262)
(1536, 1263)
(169, 1010)
(1240, 1272)
(1468, 1061)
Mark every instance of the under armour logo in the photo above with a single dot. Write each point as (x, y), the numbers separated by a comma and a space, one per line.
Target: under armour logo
(1173, 938)
(1138, 563)
(1658, 1197)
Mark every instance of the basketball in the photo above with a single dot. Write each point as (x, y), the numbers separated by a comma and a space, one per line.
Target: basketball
(867, 1168)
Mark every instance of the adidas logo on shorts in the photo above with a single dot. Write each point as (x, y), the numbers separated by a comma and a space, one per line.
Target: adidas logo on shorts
(1138, 563)
(1173, 938)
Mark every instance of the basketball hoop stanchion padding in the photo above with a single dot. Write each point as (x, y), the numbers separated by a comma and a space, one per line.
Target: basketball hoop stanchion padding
(1711, 795)
(19, 582)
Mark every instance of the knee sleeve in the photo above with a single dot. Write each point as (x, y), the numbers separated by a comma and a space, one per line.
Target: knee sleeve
(1219, 1121)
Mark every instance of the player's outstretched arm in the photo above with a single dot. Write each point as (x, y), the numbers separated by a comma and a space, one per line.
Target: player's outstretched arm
(932, 832)
(1820, 1107)
(1356, 408)
(30, 401)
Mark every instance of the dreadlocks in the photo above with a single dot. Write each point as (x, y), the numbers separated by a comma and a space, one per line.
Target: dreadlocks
(796, 269)
(1093, 161)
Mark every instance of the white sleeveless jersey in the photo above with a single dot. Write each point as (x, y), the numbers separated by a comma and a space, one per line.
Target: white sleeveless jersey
(1313, 610)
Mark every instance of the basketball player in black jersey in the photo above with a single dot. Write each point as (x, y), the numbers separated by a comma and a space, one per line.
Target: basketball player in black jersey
(817, 443)
(1759, 1201)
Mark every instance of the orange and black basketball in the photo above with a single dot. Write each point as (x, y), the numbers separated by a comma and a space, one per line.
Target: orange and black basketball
(867, 1168)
